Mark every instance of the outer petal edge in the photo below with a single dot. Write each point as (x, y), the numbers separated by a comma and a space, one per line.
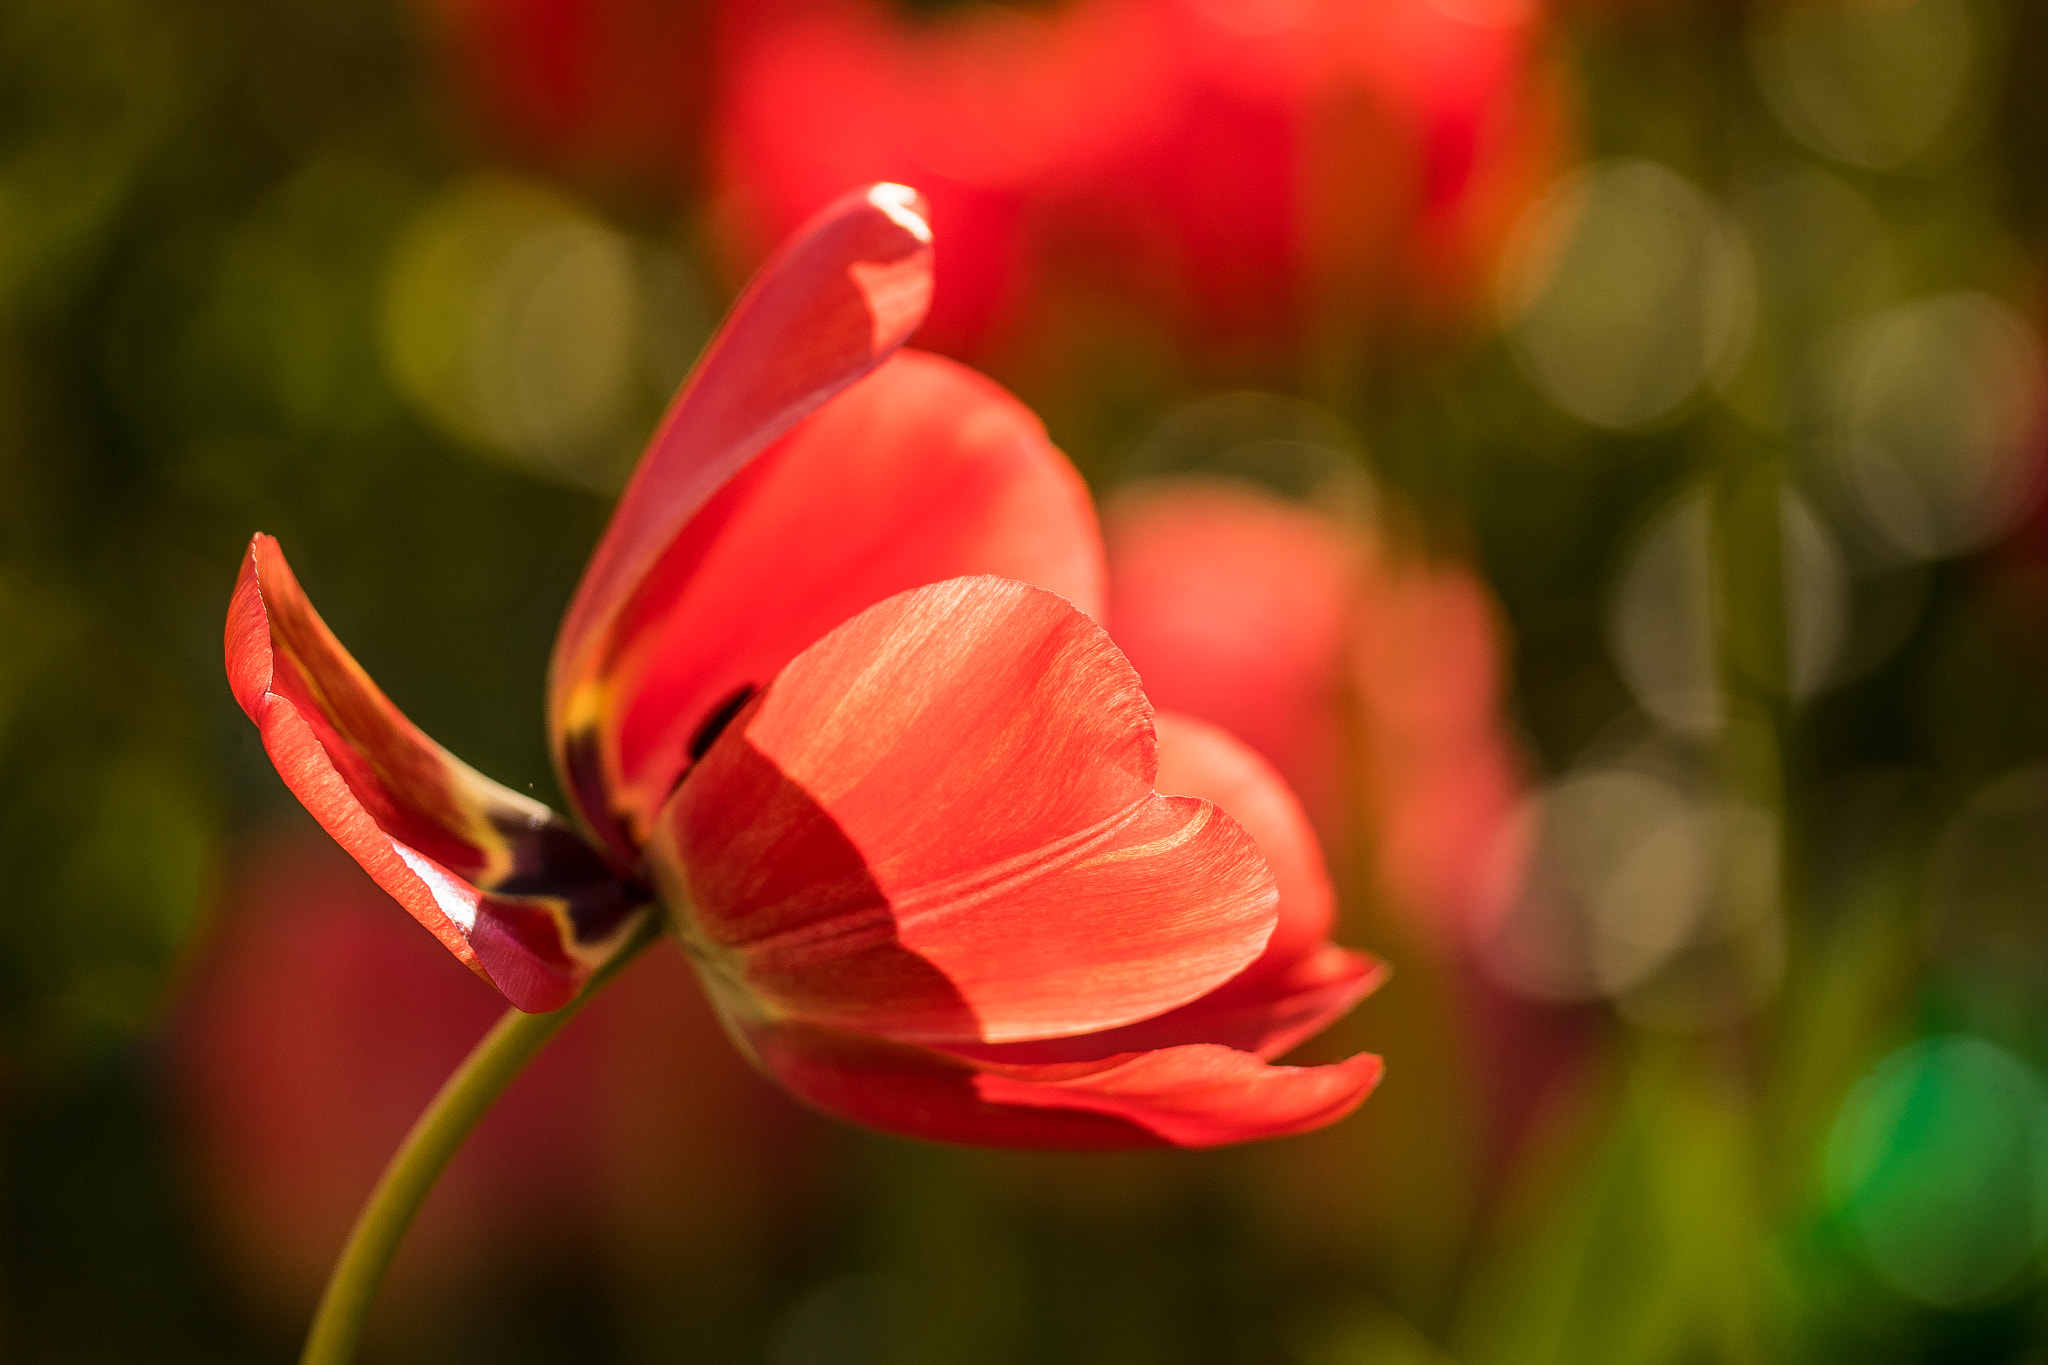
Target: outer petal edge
(1187, 1097)
(534, 911)
(839, 298)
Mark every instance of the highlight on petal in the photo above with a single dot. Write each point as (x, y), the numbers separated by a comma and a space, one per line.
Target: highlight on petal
(938, 824)
(503, 882)
(1191, 1097)
(836, 301)
(921, 472)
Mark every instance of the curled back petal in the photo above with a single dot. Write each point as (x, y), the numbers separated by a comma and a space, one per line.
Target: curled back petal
(938, 824)
(503, 882)
(1200, 759)
(921, 472)
(835, 302)
(1301, 984)
(1179, 1097)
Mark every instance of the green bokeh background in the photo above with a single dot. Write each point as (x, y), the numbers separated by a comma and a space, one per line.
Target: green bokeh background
(198, 207)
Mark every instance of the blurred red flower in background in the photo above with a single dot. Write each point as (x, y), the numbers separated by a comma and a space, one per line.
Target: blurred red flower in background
(1371, 684)
(1253, 168)
(899, 799)
(317, 1026)
(1374, 685)
(612, 87)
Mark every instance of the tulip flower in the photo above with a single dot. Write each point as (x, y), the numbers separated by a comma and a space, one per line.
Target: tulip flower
(1373, 686)
(1260, 171)
(616, 87)
(832, 704)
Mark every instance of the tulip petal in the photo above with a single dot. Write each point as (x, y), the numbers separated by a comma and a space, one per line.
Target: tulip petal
(1300, 985)
(1271, 1015)
(1236, 606)
(1179, 1097)
(1198, 1096)
(922, 472)
(835, 302)
(1266, 1014)
(502, 881)
(1200, 759)
(938, 824)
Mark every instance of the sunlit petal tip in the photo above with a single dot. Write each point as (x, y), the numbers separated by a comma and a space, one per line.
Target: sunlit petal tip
(1318, 991)
(905, 206)
(498, 878)
(921, 472)
(836, 301)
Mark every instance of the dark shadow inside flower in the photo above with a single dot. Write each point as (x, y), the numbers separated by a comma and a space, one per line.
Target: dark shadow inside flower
(713, 725)
(802, 906)
(583, 774)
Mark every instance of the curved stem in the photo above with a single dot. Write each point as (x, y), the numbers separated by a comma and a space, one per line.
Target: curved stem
(435, 1137)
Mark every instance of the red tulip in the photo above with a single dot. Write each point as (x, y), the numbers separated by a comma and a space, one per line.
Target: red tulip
(1373, 686)
(608, 85)
(318, 1024)
(830, 700)
(1259, 167)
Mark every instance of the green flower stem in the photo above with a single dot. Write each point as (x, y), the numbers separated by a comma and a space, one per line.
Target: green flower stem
(435, 1137)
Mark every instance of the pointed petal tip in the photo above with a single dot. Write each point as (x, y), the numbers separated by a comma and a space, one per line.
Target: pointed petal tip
(905, 206)
(922, 472)
(841, 296)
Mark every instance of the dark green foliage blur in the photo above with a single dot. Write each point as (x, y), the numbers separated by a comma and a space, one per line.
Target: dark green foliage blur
(199, 207)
